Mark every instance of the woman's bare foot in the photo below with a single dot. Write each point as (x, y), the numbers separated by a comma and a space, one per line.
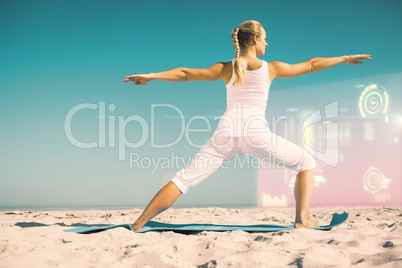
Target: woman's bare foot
(136, 226)
(305, 223)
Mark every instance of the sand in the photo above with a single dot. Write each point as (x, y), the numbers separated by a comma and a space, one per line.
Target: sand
(370, 237)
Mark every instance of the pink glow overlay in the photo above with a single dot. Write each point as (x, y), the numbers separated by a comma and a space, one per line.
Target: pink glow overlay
(353, 131)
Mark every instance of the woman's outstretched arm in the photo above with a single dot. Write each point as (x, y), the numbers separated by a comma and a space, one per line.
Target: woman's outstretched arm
(319, 64)
(212, 73)
(284, 70)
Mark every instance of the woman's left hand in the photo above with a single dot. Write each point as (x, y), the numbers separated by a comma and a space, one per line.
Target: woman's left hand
(354, 59)
(140, 79)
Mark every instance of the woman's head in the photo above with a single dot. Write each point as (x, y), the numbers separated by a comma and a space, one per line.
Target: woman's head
(249, 35)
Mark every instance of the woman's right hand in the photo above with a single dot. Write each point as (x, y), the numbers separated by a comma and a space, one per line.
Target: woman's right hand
(353, 59)
(139, 79)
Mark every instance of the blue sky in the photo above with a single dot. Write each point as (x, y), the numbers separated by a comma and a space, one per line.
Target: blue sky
(59, 54)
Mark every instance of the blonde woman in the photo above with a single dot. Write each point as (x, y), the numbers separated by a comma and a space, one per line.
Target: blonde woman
(243, 127)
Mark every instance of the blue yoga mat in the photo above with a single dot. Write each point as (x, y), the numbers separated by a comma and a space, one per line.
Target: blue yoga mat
(337, 219)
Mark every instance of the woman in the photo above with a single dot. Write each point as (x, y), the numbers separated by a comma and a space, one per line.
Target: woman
(243, 127)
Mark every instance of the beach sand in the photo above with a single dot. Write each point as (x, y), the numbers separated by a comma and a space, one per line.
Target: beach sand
(372, 236)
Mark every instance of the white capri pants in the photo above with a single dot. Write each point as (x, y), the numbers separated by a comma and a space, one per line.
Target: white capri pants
(218, 147)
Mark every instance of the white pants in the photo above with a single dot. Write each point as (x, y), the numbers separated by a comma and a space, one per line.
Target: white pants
(268, 146)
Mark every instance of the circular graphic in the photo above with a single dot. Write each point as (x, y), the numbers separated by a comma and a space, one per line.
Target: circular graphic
(373, 102)
(373, 180)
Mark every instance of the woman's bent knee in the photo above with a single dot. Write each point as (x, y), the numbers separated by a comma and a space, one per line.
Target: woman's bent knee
(307, 162)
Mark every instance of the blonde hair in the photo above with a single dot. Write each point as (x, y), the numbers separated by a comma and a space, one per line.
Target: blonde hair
(242, 37)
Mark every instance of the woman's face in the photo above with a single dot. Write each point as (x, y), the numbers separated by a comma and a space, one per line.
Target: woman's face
(261, 43)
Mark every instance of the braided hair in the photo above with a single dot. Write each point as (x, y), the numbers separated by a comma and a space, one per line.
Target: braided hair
(242, 36)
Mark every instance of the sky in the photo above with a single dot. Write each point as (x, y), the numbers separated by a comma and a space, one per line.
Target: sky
(60, 56)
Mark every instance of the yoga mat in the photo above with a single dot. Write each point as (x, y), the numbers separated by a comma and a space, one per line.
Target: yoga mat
(337, 219)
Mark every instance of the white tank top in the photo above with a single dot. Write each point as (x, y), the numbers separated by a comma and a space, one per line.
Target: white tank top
(246, 104)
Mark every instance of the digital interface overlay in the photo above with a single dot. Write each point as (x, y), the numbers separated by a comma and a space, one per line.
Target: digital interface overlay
(352, 129)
